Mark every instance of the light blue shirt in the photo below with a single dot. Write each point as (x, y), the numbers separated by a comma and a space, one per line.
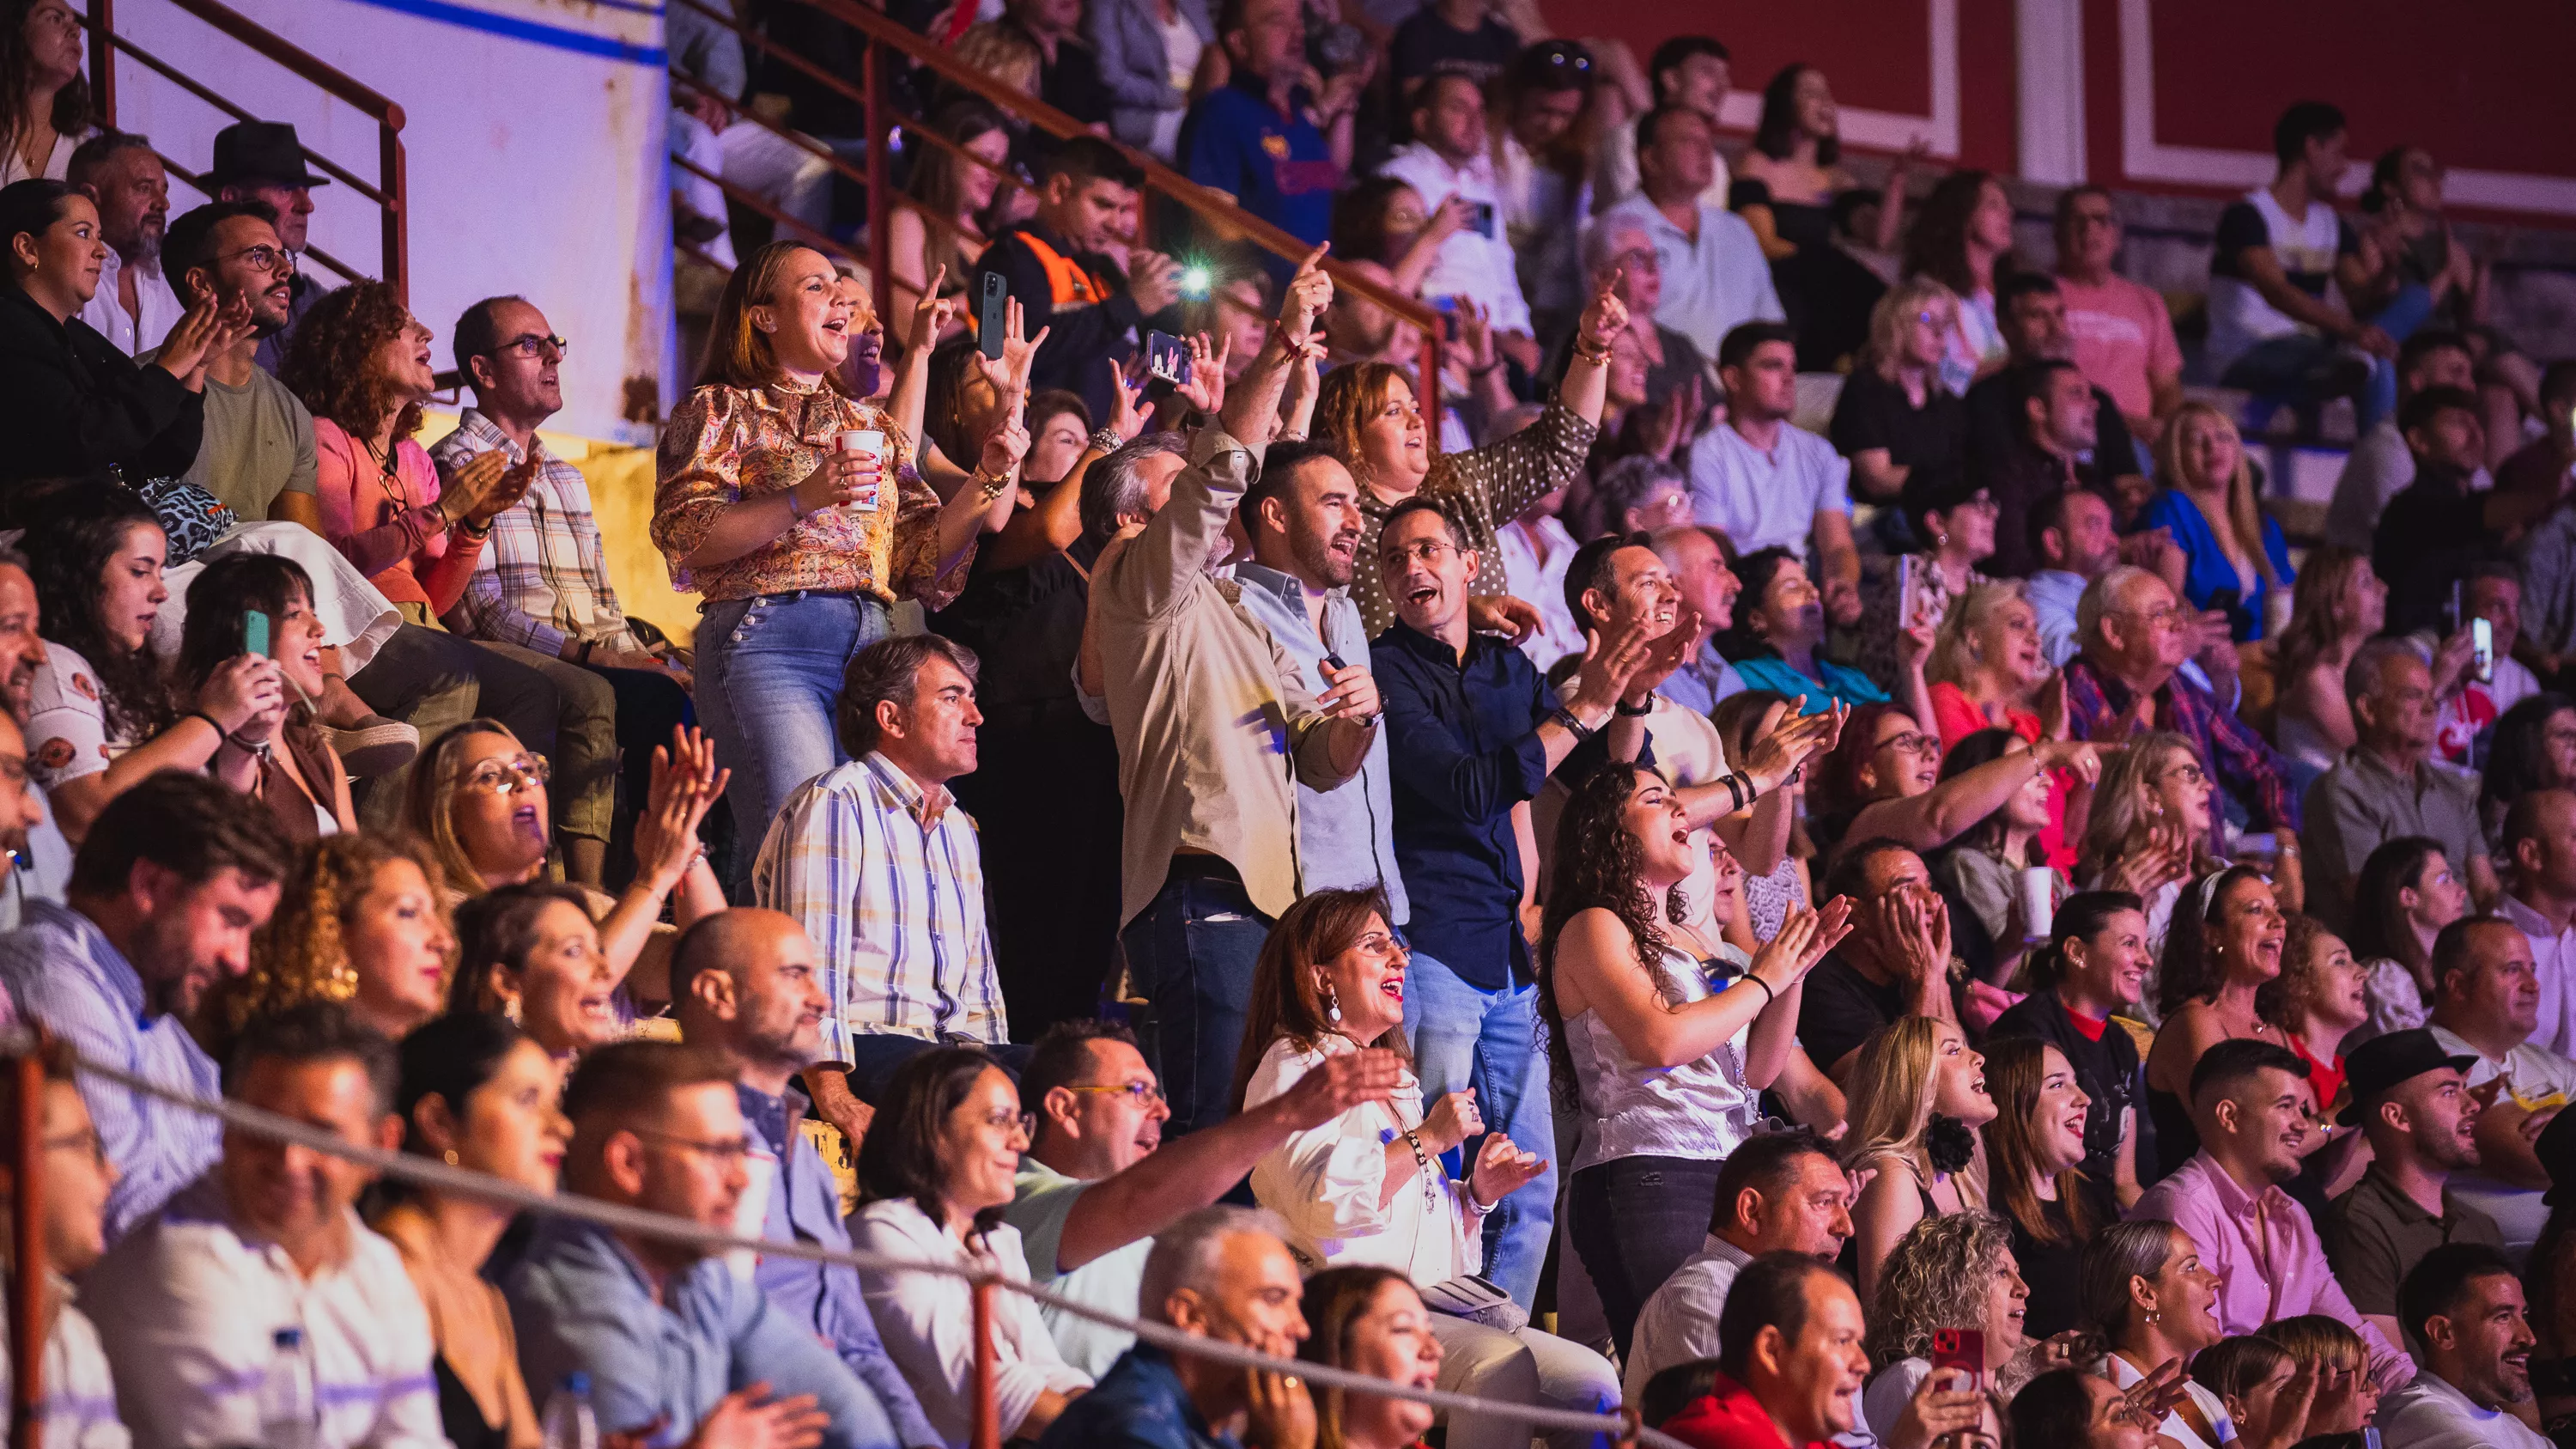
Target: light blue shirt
(1700, 683)
(1712, 283)
(2053, 594)
(1767, 500)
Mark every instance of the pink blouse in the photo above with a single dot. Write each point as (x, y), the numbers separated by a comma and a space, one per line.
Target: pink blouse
(385, 526)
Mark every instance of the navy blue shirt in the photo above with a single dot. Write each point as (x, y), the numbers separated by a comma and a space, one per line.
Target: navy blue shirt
(1279, 168)
(1138, 1404)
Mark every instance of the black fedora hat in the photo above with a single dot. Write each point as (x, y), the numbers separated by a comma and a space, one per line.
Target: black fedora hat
(2386, 1062)
(249, 152)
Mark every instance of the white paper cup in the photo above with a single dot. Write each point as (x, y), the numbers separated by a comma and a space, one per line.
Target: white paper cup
(2038, 900)
(871, 442)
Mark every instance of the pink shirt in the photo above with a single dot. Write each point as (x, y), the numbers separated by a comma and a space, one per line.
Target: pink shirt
(2123, 336)
(2266, 1254)
(385, 525)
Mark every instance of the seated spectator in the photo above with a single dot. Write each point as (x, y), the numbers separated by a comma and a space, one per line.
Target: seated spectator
(1098, 1183)
(77, 405)
(2073, 541)
(2471, 700)
(1548, 116)
(358, 922)
(1275, 148)
(2135, 639)
(746, 509)
(1768, 483)
(2486, 1004)
(2079, 436)
(894, 906)
(271, 1237)
(1918, 1096)
(2223, 945)
(1469, 35)
(2122, 331)
(1666, 1066)
(263, 161)
(2406, 893)
(2093, 966)
(2150, 827)
(2412, 1103)
(293, 770)
(78, 1406)
(1451, 156)
(2035, 1148)
(2398, 267)
(1685, 70)
(133, 307)
(2533, 748)
(1220, 1273)
(744, 986)
(1069, 71)
(531, 952)
(1777, 1192)
(257, 457)
(1962, 238)
(2317, 1001)
(2070, 1407)
(1642, 494)
(1382, 220)
(540, 591)
(1895, 964)
(48, 115)
(663, 1329)
(2234, 557)
(474, 1090)
(2154, 1305)
(2464, 1304)
(1536, 549)
(1714, 275)
(1884, 780)
(1071, 294)
(2272, 330)
(2539, 844)
(1370, 1320)
(164, 895)
(1619, 256)
(1950, 521)
(943, 237)
(1059, 428)
(2337, 604)
(1987, 668)
(2545, 1272)
(1982, 871)
(1894, 414)
(1781, 627)
(2324, 1346)
(1148, 57)
(1951, 1271)
(1743, 721)
(2251, 1102)
(1785, 188)
(2544, 467)
(2380, 465)
(2251, 1375)
(934, 1178)
(1347, 1204)
(2384, 787)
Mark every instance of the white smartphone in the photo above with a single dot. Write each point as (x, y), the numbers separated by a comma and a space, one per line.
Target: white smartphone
(1904, 592)
(2482, 648)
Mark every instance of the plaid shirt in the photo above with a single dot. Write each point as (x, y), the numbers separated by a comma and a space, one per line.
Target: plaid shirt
(543, 576)
(887, 880)
(2241, 761)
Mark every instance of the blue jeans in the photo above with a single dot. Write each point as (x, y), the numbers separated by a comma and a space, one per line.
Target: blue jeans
(876, 1056)
(2410, 309)
(769, 671)
(1466, 1037)
(2297, 370)
(1190, 955)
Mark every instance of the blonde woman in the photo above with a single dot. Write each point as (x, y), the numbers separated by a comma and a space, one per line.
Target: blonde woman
(1918, 1096)
(1956, 1271)
(2234, 556)
(2148, 831)
(1988, 670)
(1894, 414)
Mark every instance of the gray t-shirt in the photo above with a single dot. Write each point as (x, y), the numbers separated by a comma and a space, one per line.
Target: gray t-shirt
(1109, 1282)
(259, 443)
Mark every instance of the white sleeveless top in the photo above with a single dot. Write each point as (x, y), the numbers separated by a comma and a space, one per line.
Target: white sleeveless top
(1701, 1109)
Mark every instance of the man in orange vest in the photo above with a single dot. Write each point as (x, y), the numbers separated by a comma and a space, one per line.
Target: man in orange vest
(1054, 264)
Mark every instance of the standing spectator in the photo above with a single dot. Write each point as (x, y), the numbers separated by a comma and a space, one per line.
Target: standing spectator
(2094, 966)
(1709, 590)
(2413, 1104)
(2251, 1104)
(2384, 787)
(2487, 1004)
(78, 1407)
(1149, 53)
(2547, 465)
(2235, 559)
(1451, 156)
(943, 237)
(664, 1329)
(2222, 955)
(1068, 70)
(265, 1255)
(1785, 189)
(2123, 333)
(1715, 277)
(1542, 171)
(1070, 292)
(263, 161)
(1536, 549)
(168, 886)
(1962, 238)
(2272, 329)
(1464, 35)
(1769, 483)
(2380, 464)
(134, 306)
(540, 591)
(46, 114)
(1894, 415)
(1684, 70)
(257, 457)
(2464, 1304)
(1276, 149)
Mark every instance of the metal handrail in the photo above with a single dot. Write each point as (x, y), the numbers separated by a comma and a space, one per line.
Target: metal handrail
(390, 192)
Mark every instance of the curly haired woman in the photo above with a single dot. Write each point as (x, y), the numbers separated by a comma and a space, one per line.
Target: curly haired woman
(360, 921)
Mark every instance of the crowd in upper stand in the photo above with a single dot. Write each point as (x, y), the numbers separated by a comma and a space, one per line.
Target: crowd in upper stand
(1787, 843)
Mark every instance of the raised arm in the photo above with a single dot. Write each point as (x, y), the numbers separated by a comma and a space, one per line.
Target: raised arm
(1939, 815)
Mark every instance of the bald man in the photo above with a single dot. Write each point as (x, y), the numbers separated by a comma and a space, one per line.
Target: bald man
(743, 984)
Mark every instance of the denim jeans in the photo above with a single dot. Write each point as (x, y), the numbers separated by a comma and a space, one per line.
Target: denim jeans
(2410, 309)
(1633, 1220)
(769, 671)
(1190, 955)
(434, 681)
(1466, 1037)
(876, 1056)
(2298, 370)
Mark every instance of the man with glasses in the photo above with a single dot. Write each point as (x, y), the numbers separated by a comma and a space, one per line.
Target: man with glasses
(2135, 639)
(1099, 1182)
(541, 594)
(257, 456)
(264, 161)
(1619, 257)
(744, 986)
(664, 1328)
(2122, 332)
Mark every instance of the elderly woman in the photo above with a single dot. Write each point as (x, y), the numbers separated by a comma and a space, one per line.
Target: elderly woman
(1370, 1321)
(1368, 1186)
(1948, 1272)
(1918, 1096)
(360, 922)
(934, 1175)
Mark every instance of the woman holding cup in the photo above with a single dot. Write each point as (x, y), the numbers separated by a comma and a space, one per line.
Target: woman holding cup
(799, 515)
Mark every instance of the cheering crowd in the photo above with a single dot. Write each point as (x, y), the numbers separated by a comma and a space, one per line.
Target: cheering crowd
(1784, 845)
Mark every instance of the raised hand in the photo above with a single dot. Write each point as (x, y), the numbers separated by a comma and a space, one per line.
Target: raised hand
(1601, 681)
(1666, 653)
(191, 341)
(686, 784)
(1475, 335)
(2053, 723)
(842, 477)
(1513, 619)
(241, 689)
(1127, 419)
(1502, 1169)
(930, 315)
(1153, 281)
(1783, 958)
(1005, 446)
(1798, 739)
(1307, 294)
(1206, 388)
(1944, 1404)
(1606, 317)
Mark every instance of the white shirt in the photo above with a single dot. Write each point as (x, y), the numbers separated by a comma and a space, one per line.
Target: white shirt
(1767, 500)
(1712, 281)
(1678, 1325)
(1884, 1397)
(188, 1308)
(2553, 957)
(58, 161)
(78, 1408)
(1326, 1182)
(2538, 1079)
(928, 1320)
(106, 313)
(1543, 220)
(2177, 1426)
(2238, 315)
(1471, 264)
(2430, 1414)
(1534, 560)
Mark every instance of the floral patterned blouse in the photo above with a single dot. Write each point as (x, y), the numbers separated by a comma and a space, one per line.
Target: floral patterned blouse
(725, 444)
(1485, 489)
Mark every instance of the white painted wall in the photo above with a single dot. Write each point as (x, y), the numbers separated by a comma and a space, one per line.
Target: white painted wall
(535, 142)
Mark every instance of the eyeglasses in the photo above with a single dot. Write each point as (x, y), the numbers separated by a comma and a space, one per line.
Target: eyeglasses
(1912, 742)
(531, 347)
(1426, 551)
(1142, 1094)
(504, 777)
(1377, 943)
(262, 258)
(2188, 774)
(723, 1152)
(1026, 1122)
(86, 1141)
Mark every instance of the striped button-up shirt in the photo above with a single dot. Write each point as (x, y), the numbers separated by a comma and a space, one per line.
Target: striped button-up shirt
(64, 973)
(543, 576)
(886, 879)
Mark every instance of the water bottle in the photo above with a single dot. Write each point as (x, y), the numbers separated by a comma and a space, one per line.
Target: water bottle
(288, 1415)
(568, 1422)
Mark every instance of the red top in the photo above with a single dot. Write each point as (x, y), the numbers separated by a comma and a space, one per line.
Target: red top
(1728, 1418)
(2326, 1077)
(1958, 719)
(2091, 1026)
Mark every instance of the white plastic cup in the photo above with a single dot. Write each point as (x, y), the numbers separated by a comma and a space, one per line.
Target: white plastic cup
(872, 443)
(2038, 901)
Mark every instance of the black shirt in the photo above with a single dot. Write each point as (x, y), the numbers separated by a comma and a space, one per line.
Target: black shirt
(1025, 625)
(72, 405)
(1875, 413)
(2428, 536)
(1082, 335)
(2108, 1070)
(1072, 84)
(1426, 40)
(2055, 1270)
(1841, 1007)
(1999, 444)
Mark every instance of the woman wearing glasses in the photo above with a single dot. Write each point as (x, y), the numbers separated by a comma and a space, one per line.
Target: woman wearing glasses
(1368, 1187)
(1884, 779)
(2149, 830)
(934, 1175)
